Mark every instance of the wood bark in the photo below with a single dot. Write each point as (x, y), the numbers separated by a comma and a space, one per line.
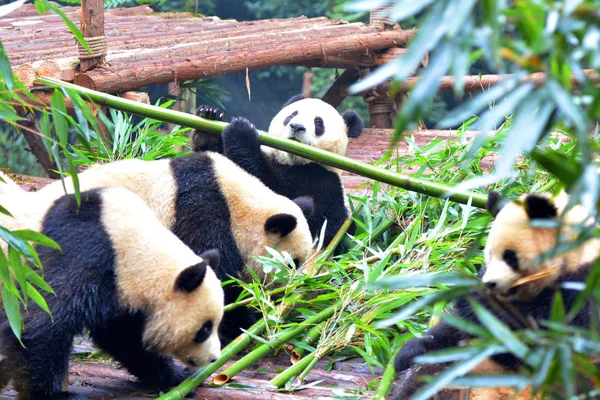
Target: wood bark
(477, 83)
(130, 77)
(339, 90)
(92, 25)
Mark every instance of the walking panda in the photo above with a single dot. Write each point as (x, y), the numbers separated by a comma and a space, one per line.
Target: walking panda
(141, 293)
(309, 121)
(511, 254)
(209, 202)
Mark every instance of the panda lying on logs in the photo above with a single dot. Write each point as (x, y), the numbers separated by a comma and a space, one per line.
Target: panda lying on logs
(510, 255)
(308, 121)
(142, 294)
(209, 202)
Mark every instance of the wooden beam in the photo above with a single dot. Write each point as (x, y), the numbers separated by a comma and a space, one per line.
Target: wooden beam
(339, 90)
(92, 26)
(129, 77)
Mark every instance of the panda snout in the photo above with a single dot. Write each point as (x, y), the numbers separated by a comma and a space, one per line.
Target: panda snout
(297, 128)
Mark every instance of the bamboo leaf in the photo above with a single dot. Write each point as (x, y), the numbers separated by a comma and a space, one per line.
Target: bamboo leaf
(37, 298)
(13, 312)
(58, 116)
(407, 8)
(6, 278)
(33, 277)
(425, 280)
(16, 265)
(499, 330)
(5, 70)
(36, 237)
(567, 370)
(505, 380)
(10, 7)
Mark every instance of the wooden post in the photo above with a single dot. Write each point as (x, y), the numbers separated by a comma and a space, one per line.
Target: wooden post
(92, 26)
(381, 106)
(307, 84)
(339, 90)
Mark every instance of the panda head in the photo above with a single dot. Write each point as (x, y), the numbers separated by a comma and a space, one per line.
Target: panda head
(315, 123)
(185, 322)
(514, 246)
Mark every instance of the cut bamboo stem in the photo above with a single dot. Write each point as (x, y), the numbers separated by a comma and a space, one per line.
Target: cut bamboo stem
(237, 345)
(335, 160)
(281, 379)
(309, 339)
(278, 340)
(385, 384)
(309, 367)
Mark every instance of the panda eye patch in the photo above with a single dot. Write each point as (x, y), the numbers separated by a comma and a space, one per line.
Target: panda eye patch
(289, 118)
(203, 333)
(319, 126)
(510, 257)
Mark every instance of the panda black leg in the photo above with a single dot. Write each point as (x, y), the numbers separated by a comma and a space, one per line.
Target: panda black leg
(242, 146)
(122, 338)
(439, 337)
(207, 141)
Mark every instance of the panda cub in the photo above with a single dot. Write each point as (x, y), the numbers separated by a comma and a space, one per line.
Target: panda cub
(309, 121)
(510, 254)
(140, 292)
(209, 202)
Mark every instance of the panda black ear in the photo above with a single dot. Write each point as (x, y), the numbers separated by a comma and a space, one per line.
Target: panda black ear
(494, 203)
(539, 207)
(280, 224)
(354, 123)
(192, 277)
(306, 204)
(294, 99)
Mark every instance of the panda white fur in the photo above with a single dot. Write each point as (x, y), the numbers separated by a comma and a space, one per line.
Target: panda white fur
(209, 202)
(7, 185)
(510, 253)
(140, 292)
(309, 121)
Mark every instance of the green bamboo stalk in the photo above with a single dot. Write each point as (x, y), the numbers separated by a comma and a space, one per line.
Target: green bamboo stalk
(237, 345)
(385, 384)
(309, 368)
(281, 338)
(309, 339)
(312, 153)
(281, 379)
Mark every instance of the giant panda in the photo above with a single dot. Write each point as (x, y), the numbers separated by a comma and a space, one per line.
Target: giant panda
(511, 252)
(209, 202)
(309, 121)
(141, 293)
(7, 185)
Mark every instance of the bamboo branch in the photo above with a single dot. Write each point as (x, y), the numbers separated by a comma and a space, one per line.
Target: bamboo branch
(385, 384)
(294, 370)
(312, 153)
(278, 340)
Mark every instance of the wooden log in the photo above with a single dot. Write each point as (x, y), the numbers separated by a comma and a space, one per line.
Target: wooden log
(338, 91)
(476, 83)
(140, 97)
(307, 84)
(92, 26)
(135, 76)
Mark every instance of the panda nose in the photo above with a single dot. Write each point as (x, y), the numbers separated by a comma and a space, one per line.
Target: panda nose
(212, 360)
(491, 285)
(297, 128)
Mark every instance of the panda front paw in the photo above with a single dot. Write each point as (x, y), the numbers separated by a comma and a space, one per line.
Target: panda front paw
(242, 134)
(209, 112)
(178, 375)
(404, 359)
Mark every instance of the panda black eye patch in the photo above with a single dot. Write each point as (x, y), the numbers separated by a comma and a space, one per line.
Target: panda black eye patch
(510, 257)
(319, 126)
(203, 333)
(289, 118)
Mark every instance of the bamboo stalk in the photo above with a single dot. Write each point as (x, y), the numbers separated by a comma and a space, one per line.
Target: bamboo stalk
(281, 379)
(237, 345)
(309, 339)
(309, 367)
(335, 160)
(385, 384)
(281, 338)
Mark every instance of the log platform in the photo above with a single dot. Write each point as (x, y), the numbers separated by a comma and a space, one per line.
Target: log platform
(148, 48)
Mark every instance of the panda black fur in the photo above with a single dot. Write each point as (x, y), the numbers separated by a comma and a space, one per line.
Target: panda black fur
(309, 121)
(209, 202)
(141, 293)
(510, 254)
